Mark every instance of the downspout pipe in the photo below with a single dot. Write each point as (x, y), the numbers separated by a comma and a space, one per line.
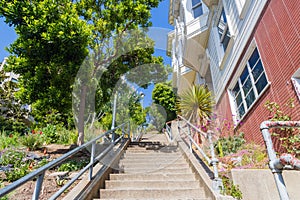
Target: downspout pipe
(277, 165)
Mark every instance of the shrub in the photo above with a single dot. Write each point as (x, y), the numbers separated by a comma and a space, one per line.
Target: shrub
(67, 136)
(32, 140)
(228, 145)
(73, 165)
(50, 134)
(8, 140)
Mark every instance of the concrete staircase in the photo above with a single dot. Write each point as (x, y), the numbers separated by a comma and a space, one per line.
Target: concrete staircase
(151, 169)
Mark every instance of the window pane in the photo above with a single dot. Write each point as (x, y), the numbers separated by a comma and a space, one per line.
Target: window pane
(236, 89)
(197, 11)
(247, 86)
(253, 59)
(226, 40)
(238, 99)
(244, 75)
(223, 16)
(261, 83)
(250, 98)
(195, 2)
(241, 111)
(257, 70)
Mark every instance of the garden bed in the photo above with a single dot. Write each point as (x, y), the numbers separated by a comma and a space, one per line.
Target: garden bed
(51, 183)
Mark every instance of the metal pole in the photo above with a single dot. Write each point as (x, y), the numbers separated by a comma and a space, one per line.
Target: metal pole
(189, 132)
(114, 116)
(272, 157)
(92, 161)
(38, 186)
(217, 182)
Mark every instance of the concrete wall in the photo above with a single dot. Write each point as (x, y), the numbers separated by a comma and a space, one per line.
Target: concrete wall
(260, 184)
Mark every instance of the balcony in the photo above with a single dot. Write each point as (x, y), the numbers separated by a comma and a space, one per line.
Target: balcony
(186, 79)
(196, 42)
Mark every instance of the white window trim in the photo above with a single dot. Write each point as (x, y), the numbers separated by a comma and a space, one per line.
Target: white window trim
(222, 55)
(296, 82)
(242, 7)
(195, 6)
(233, 107)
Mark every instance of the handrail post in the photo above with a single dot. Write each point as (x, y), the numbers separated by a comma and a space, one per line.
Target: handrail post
(123, 133)
(38, 186)
(190, 140)
(92, 160)
(128, 130)
(217, 182)
(277, 173)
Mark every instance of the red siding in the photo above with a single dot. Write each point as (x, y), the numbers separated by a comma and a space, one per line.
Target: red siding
(277, 36)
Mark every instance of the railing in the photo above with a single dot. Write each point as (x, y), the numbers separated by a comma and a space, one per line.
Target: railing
(285, 161)
(187, 128)
(169, 130)
(138, 133)
(40, 172)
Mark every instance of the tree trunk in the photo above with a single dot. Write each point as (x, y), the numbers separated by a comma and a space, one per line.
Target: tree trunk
(80, 139)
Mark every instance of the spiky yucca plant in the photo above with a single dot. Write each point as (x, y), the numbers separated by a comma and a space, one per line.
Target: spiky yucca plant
(196, 103)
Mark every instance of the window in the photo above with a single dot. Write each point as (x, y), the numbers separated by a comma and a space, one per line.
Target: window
(223, 30)
(197, 8)
(250, 84)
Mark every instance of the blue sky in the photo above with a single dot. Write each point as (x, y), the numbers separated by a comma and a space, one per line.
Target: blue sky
(158, 33)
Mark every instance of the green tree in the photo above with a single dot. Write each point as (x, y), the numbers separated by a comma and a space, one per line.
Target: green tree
(54, 38)
(119, 46)
(163, 95)
(52, 42)
(196, 103)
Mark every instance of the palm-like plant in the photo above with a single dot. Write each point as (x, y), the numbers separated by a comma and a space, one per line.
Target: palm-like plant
(196, 104)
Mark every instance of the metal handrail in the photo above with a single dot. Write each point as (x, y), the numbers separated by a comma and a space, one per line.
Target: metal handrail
(212, 159)
(286, 161)
(40, 172)
(139, 133)
(169, 130)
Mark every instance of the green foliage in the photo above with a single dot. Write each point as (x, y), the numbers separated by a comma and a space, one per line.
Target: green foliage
(228, 145)
(163, 95)
(73, 165)
(50, 134)
(52, 42)
(15, 159)
(54, 39)
(12, 115)
(32, 141)
(289, 137)
(8, 140)
(231, 189)
(106, 121)
(196, 103)
(67, 136)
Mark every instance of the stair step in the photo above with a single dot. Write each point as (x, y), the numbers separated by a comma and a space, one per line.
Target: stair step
(113, 184)
(156, 177)
(152, 193)
(169, 165)
(155, 199)
(150, 162)
(151, 155)
(155, 171)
